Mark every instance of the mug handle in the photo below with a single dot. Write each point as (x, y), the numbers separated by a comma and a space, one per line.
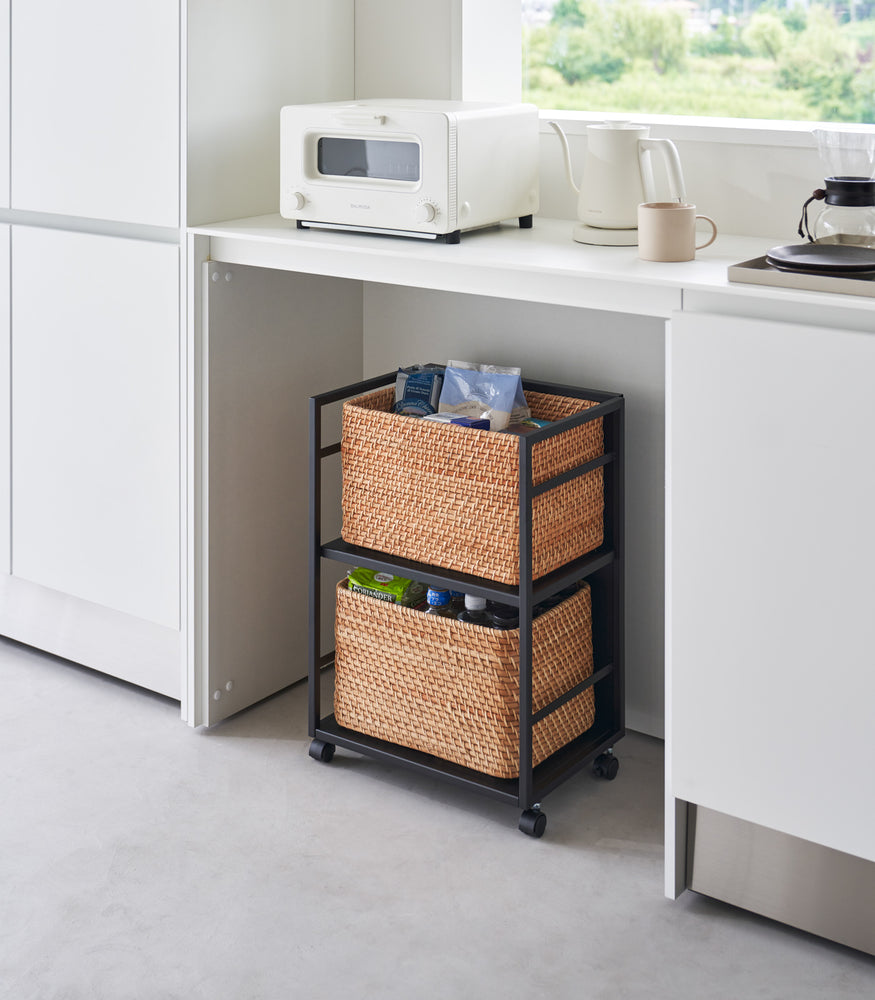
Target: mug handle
(708, 242)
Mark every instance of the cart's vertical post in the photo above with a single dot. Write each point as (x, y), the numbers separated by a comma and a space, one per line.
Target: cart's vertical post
(614, 439)
(526, 777)
(315, 557)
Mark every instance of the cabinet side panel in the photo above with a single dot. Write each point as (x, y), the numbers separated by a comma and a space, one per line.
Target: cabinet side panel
(491, 42)
(95, 419)
(245, 61)
(408, 50)
(773, 545)
(95, 109)
(5, 401)
(461, 50)
(4, 103)
(275, 339)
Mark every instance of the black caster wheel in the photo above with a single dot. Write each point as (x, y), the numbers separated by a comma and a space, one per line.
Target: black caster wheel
(606, 766)
(321, 751)
(533, 823)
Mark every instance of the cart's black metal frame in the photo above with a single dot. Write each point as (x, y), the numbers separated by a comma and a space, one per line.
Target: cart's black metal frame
(602, 568)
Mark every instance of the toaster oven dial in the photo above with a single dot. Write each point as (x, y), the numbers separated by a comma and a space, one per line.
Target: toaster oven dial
(296, 201)
(425, 212)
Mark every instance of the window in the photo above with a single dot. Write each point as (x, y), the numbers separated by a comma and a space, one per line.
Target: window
(767, 59)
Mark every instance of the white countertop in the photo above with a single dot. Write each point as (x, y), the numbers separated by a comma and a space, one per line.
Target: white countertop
(542, 264)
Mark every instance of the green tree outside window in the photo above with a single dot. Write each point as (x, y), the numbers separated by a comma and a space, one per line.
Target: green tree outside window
(721, 58)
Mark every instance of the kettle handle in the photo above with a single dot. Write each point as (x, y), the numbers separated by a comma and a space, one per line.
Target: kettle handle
(672, 166)
(565, 149)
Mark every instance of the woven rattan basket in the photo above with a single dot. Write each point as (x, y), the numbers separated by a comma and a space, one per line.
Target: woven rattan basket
(449, 496)
(451, 689)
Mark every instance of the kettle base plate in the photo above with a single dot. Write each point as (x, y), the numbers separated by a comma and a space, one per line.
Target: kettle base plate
(605, 237)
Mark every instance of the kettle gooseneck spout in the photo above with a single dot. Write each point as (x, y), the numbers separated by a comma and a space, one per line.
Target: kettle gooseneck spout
(558, 130)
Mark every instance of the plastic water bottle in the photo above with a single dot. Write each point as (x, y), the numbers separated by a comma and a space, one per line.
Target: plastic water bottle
(475, 611)
(457, 601)
(438, 601)
(555, 600)
(504, 616)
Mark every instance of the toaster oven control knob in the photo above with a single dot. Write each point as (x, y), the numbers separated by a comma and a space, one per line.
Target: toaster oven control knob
(425, 212)
(296, 201)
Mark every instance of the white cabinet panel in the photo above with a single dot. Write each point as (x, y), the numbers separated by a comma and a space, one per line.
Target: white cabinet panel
(463, 50)
(95, 109)
(772, 547)
(4, 104)
(274, 340)
(5, 395)
(121, 645)
(245, 60)
(95, 419)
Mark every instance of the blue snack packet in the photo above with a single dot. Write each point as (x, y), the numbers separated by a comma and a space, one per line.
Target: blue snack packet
(418, 389)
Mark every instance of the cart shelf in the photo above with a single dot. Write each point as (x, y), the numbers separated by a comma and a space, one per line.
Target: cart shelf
(579, 569)
(548, 775)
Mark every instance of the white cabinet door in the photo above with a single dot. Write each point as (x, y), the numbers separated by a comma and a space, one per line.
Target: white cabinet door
(5, 398)
(95, 420)
(772, 575)
(95, 109)
(4, 104)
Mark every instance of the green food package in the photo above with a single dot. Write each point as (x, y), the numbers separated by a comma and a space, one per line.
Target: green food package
(386, 587)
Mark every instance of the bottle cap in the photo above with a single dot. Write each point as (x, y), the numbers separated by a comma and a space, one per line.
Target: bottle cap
(437, 598)
(473, 603)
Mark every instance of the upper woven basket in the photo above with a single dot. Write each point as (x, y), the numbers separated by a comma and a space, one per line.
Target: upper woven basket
(449, 495)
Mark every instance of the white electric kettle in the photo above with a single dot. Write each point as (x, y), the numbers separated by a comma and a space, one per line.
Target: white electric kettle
(617, 178)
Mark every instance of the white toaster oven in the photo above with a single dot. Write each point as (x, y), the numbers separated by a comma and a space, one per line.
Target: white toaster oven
(427, 169)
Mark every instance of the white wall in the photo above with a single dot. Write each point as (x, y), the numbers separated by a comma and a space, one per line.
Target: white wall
(600, 350)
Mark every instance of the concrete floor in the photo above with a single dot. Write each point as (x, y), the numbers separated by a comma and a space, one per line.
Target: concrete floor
(141, 860)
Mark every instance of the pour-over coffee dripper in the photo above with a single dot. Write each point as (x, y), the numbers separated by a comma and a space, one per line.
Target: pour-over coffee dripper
(848, 217)
(845, 153)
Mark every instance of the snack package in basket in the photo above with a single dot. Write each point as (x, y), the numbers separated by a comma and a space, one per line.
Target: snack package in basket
(386, 587)
(484, 392)
(418, 389)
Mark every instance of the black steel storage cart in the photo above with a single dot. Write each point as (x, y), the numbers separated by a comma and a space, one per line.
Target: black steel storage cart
(602, 569)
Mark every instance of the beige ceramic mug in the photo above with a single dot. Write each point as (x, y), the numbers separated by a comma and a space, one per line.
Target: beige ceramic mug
(667, 231)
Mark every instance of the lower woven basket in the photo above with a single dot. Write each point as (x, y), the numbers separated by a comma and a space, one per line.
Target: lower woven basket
(451, 688)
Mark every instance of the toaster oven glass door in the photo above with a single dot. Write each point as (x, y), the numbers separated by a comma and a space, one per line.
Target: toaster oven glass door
(385, 159)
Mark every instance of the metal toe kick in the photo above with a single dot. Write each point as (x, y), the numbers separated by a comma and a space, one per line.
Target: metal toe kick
(800, 883)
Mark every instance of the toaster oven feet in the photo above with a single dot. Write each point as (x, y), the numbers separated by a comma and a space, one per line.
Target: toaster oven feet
(525, 222)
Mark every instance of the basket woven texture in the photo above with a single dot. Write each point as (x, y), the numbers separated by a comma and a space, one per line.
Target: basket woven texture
(449, 496)
(451, 689)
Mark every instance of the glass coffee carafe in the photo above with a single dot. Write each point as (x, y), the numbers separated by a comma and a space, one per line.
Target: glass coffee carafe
(848, 215)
